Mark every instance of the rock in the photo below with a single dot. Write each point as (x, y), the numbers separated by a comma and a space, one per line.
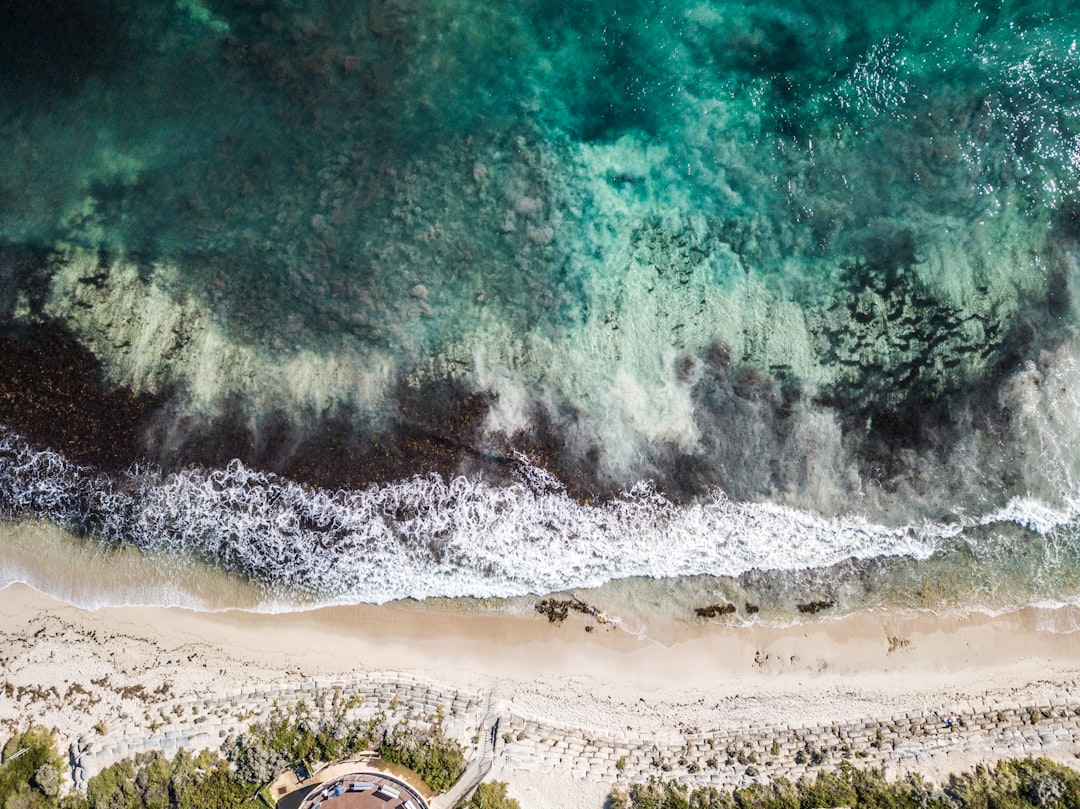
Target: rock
(813, 607)
(542, 235)
(47, 779)
(714, 610)
(527, 206)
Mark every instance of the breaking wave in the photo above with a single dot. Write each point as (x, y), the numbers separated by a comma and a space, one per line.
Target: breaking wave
(425, 536)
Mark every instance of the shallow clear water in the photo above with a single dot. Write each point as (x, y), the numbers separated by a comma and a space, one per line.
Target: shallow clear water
(757, 300)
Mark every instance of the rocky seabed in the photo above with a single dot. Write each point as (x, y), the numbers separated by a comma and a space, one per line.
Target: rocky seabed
(915, 741)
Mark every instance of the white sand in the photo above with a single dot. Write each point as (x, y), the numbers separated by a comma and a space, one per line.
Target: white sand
(709, 677)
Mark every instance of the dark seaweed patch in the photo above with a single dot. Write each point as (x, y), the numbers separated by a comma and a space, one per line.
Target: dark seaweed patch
(577, 467)
(814, 607)
(53, 391)
(1063, 240)
(714, 610)
(733, 405)
(434, 428)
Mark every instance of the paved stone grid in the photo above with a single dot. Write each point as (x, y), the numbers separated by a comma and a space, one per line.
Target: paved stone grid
(901, 744)
(204, 724)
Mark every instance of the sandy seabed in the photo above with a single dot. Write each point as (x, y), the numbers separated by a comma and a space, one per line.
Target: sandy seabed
(867, 666)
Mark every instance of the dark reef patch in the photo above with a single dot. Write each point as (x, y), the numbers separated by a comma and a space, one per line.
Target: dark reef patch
(1063, 248)
(575, 464)
(735, 406)
(56, 45)
(897, 344)
(25, 270)
(53, 391)
(433, 428)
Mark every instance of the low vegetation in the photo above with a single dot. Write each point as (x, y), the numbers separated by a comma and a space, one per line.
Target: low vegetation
(32, 773)
(1018, 784)
(268, 749)
(436, 759)
(300, 739)
(490, 795)
(152, 781)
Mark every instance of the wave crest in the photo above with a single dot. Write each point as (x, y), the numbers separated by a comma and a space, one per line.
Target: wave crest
(426, 536)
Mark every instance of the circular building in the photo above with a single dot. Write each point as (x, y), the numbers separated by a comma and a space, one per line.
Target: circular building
(363, 790)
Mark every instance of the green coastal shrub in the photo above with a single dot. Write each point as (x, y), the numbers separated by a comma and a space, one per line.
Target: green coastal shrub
(30, 775)
(254, 761)
(289, 741)
(152, 781)
(32, 779)
(779, 794)
(1017, 784)
(490, 795)
(436, 759)
(658, 794)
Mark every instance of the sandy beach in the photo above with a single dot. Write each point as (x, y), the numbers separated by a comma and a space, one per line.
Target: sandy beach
(707, 677)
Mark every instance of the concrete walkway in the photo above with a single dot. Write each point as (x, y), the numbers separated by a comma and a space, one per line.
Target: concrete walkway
(479, 766)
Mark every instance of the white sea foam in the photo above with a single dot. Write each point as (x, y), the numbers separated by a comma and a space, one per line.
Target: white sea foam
(426, 537)
(1034, 515)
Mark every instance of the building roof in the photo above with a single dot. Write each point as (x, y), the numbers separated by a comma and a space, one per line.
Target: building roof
(363, 790)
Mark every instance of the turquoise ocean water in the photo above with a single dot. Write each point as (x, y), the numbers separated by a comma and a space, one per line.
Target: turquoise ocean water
(768, 302)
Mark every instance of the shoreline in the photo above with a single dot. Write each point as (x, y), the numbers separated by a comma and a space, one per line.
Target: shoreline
(707, 679)
(92, 576)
